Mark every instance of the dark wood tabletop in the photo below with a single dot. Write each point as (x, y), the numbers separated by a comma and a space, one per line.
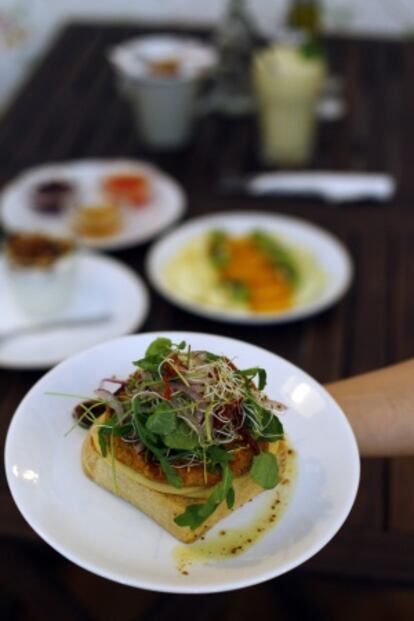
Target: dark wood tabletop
(70, 109)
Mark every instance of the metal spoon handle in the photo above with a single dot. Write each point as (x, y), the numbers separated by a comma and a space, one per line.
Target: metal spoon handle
(52, 324)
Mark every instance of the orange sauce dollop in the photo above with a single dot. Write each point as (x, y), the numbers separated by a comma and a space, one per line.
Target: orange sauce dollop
(269, 289)
(129, 188)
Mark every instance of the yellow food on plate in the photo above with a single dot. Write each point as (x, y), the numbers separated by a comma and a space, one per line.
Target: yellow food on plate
(162, 503)
(100, 220)
(256, 272)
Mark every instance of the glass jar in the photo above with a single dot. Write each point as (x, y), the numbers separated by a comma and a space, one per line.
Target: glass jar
(41, 271)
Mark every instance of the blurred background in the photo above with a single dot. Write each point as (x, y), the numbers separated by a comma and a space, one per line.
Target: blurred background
(27, 26)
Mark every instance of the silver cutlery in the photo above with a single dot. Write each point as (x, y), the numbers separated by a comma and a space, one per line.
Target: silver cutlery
(48, 325)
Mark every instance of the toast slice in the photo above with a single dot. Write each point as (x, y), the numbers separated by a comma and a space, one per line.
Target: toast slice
(159, 506)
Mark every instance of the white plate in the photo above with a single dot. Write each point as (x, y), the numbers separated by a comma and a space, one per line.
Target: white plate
(328, 253)
(166, 205)
(107, 536)
(103, 286)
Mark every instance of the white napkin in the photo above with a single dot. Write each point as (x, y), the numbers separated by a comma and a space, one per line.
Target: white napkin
(331, 186)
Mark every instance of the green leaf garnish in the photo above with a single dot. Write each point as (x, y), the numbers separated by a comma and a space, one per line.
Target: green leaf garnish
(156, 352)
(239, 291)
(195, 515)
(219, 456)
(312, 49)
(277, 252)
(103, 440)
(160, 347)
(264, 470)
(264, 423)
(218, 248)
(250, 374)
(230, 498)
(212, 357)
(162, 421)
(146, 437)
(182, 437)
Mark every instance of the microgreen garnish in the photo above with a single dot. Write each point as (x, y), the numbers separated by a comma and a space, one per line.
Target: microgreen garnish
(184, 408)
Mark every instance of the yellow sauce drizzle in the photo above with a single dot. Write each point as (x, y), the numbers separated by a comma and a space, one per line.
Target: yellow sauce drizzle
(231, 542)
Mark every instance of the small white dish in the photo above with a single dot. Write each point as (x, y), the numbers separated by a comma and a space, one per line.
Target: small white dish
(327, 252)
(111, 538)
(166, 205)
(134, 57)
(103, 286)
(164, 105)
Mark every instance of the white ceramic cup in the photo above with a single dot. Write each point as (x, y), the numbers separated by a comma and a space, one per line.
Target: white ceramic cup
(43, 290)
(163, 110)
(164, 106)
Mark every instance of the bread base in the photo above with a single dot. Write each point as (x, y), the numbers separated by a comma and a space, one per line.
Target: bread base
(161, 507)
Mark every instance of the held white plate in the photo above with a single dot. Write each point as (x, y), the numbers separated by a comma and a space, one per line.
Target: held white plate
(103, 286)
(327, 252)
(111, 538)
(140, 224)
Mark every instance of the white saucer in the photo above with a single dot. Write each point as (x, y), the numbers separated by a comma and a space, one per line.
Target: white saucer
(104, 285)
(140, 224)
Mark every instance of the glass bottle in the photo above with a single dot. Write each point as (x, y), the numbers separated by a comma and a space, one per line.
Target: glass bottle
(305, 16)
(235, 41)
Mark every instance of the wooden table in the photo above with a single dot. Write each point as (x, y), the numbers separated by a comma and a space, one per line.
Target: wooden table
(70, 109)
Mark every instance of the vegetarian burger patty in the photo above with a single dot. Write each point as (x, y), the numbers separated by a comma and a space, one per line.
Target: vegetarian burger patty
(191, 476)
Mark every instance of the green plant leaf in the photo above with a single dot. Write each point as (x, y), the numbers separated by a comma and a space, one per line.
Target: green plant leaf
(230, 498)
(162, 421)
(280, 256)
(218, 248)
(182, 437)
(238, 290)
(312, 49)
(103, 440)
(159, 349)
(250, 374)
(264, 470)
(195, 515)
(147, 438)
(219, 456)
(272, 427)
(268, 425)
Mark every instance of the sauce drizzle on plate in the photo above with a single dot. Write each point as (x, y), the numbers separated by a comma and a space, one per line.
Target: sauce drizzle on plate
(230, 542)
